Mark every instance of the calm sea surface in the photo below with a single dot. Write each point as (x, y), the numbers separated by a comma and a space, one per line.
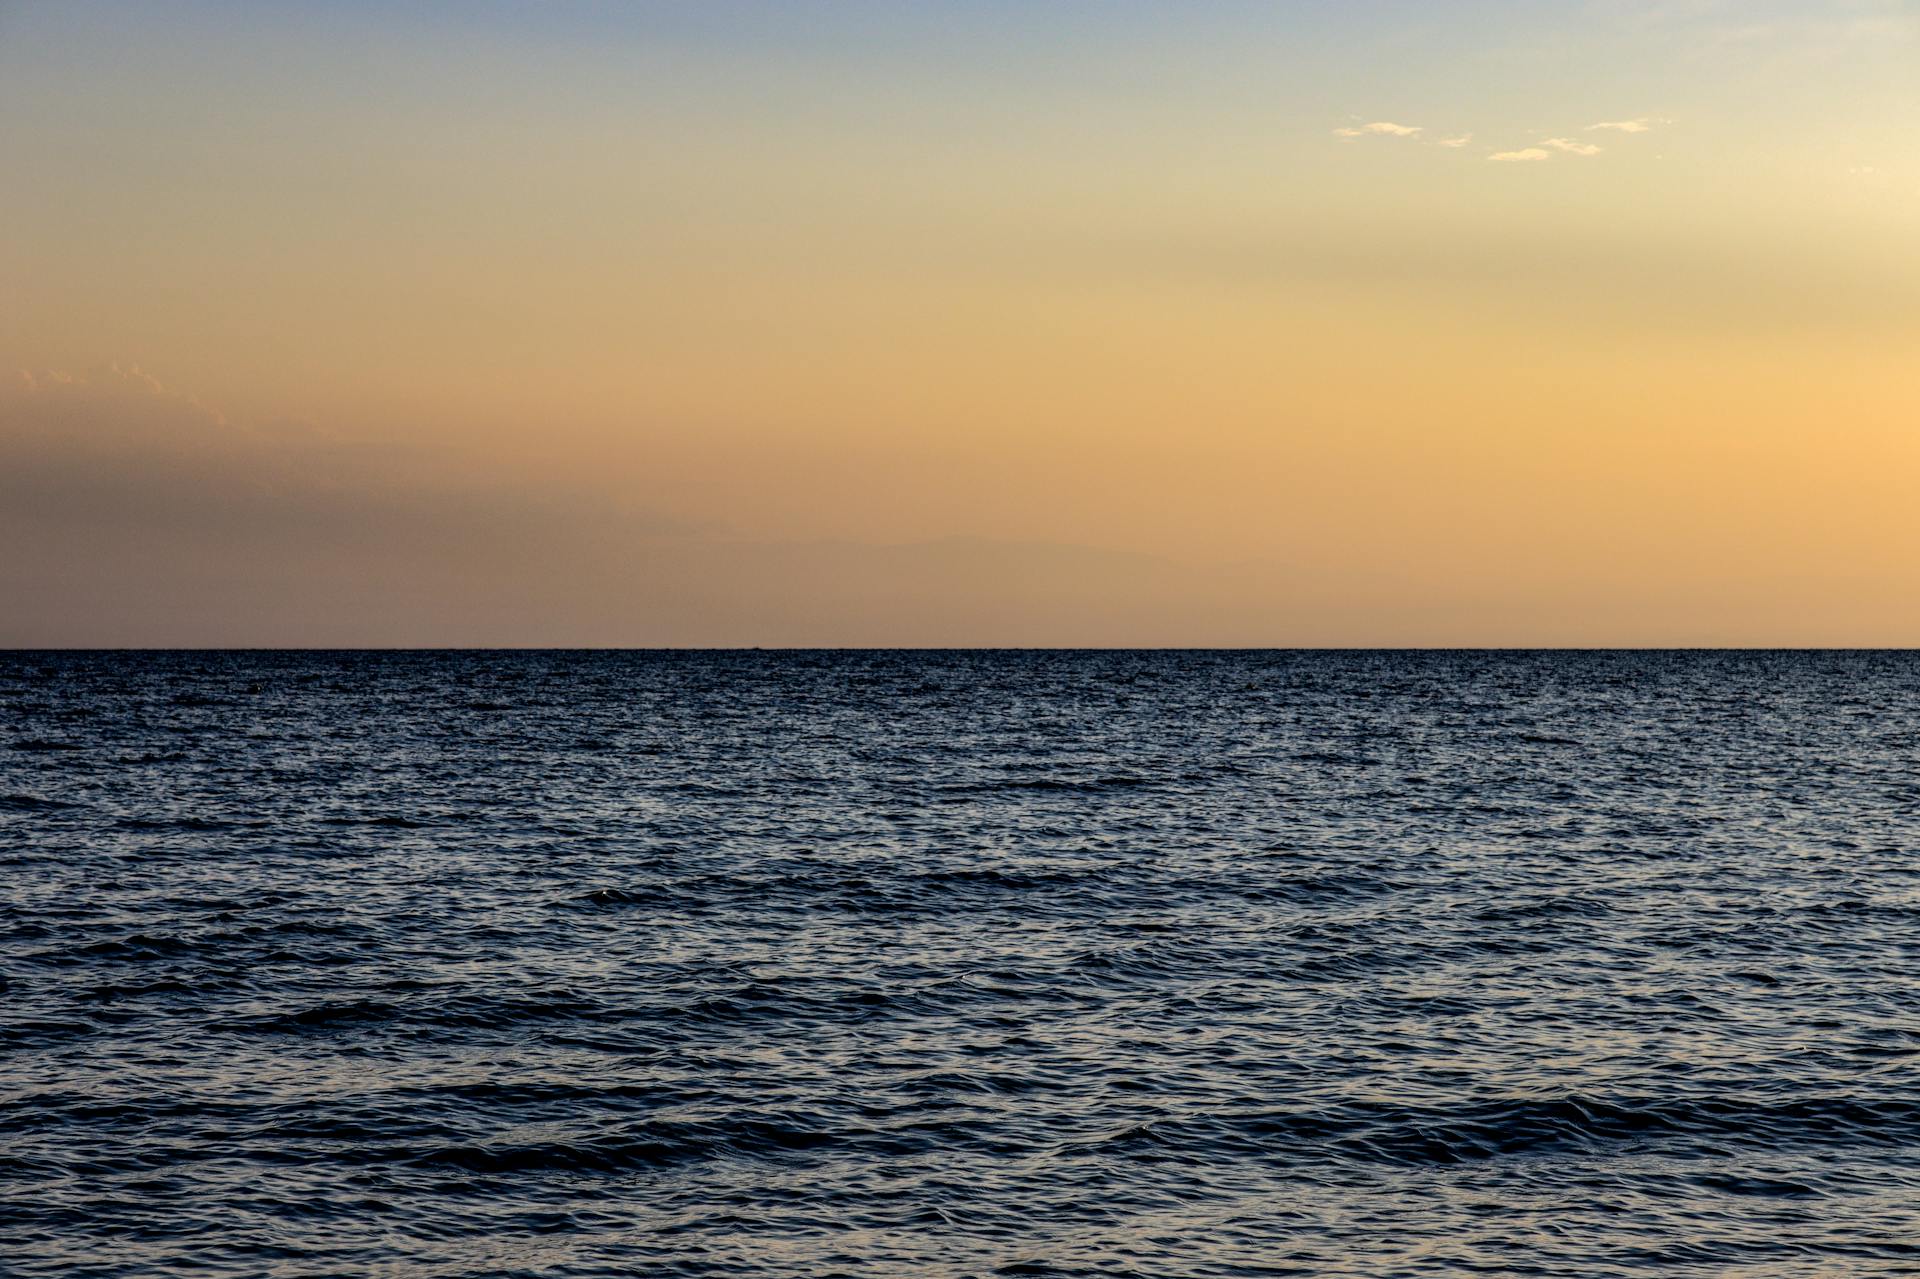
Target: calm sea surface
(944, 964)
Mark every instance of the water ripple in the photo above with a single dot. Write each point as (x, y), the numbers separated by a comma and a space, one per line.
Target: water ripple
(960, 964)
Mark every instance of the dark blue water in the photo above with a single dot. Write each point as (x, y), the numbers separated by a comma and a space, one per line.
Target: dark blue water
(960, 964)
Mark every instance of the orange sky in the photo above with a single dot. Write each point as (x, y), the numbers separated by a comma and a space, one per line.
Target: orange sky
(961, 324)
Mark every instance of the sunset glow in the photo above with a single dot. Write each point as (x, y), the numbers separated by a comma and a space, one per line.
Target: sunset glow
(740, 323)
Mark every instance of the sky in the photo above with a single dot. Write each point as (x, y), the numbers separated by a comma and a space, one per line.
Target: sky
(1083, 322)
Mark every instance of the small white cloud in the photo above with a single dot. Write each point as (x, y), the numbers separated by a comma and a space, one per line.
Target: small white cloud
(1642, 125)
(1460, 141)
(1526, 156)
(1571, 147)
(1385, 127)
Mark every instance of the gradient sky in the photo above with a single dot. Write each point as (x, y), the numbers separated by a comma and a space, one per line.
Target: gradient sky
(960, 323)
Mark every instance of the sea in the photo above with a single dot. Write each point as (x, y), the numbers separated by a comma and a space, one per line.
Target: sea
(973, 963)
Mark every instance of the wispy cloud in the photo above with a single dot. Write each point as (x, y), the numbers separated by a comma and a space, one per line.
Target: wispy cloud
(1380, 127)
(1545, 149)
(116, 386)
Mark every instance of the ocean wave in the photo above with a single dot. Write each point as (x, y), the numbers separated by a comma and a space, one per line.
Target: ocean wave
(1523, 1127)
(32, 804)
